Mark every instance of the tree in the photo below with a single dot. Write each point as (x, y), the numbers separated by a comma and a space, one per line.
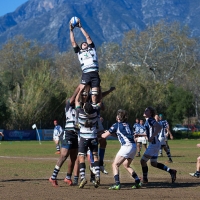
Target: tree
(179, 102)
(39, 97)
(164, 52)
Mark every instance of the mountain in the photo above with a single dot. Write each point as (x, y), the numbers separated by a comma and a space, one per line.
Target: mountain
(105, 20)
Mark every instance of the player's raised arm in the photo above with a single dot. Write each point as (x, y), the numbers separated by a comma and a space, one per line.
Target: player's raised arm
(88, 39)
(72, 38)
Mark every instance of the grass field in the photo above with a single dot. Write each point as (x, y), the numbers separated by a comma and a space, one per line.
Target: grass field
(27, 165)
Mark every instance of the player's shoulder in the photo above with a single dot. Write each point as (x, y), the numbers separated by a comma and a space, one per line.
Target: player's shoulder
(151, 121)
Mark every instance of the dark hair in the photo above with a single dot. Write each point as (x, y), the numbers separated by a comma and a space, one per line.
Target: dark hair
(122, 115)
(152, 110)
(81, 45)
(88, 108)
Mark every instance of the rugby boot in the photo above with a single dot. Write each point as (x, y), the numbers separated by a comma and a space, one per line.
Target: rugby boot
(53, 182)
(173, 175)
(137, 186)
(102, 169)
(115, 187)
(68, 181)
(83, 182)
(197, 175)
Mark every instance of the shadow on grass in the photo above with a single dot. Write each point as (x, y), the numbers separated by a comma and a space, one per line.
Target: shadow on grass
(162, 185)
(124, 186)
(22, 180)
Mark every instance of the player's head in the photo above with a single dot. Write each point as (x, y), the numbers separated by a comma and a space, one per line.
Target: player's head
(141, 121)
(88, 109)
(156, 118)
(160, 116)
(55, 122)
(122, 115)
(84, 45)
(149, 112)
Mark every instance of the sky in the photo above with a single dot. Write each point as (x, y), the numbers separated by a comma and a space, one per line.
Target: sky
(7, 6)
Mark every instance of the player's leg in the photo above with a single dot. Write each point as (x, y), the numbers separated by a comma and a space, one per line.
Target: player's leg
(129, 153)
(166, 141)
(197, 173)
(144, 143)
(168, 153)
(82, 150)
(56, 141)
(94, 149)
(102, 147)
(90, 159)
(73, 151)
(162, 144)
(161, 166)
(76, 172)
(139, 142)
(95, 87)
(150, 151)
(115, 166)
(63, 156)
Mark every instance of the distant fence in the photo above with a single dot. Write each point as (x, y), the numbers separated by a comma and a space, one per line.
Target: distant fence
(18, 135)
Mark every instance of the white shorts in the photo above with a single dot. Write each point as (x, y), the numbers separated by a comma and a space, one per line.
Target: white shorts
(142, 140)
(162, 141)
(153, 149)
(100, 125)
(56, 138)
(127, 151)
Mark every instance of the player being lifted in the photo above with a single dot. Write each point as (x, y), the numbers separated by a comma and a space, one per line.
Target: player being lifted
(89, 62)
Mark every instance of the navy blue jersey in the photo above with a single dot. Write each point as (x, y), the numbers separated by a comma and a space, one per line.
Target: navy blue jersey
(136, 127)
(141, 129)
(164, 125)
(150, 129)
(123, 132)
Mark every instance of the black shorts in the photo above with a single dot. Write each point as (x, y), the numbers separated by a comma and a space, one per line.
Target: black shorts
(91, 78)
(84, 144)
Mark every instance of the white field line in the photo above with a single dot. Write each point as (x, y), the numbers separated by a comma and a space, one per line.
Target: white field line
(31, 158)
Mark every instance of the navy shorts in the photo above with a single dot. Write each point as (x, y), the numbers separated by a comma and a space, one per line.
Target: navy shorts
(91, 78)
(69, 143)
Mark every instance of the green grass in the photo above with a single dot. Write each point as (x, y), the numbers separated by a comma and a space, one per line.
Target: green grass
(31, 159)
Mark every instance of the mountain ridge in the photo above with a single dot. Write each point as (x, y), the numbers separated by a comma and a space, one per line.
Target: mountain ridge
(105, 20)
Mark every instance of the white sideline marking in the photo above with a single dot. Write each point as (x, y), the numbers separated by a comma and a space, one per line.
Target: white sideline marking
(29, 158)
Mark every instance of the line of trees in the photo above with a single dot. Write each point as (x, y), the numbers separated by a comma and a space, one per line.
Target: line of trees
(158, 67)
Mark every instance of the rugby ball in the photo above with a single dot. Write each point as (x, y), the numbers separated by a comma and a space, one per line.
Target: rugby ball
(74, 21)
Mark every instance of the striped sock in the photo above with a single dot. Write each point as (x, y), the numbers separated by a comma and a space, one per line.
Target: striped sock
(55, 172)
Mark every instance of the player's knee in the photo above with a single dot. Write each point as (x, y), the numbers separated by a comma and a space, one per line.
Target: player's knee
(126, 165)
(154, 164)
(95, 154)
(143, 161)
(198, 159)
(115, 164)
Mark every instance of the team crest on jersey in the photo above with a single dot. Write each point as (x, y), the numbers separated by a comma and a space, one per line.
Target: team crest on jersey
(112, 127)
